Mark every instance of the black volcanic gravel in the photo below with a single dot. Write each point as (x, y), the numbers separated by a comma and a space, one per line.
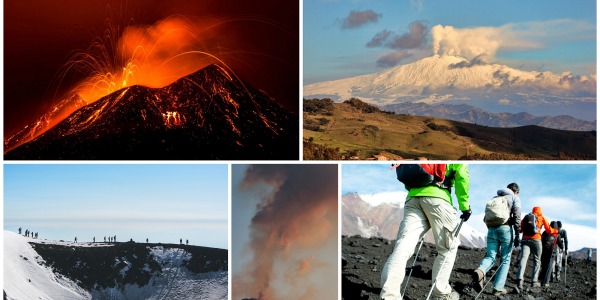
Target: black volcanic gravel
(364, 258)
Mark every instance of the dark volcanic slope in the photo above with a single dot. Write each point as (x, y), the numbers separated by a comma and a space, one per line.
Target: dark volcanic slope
(365, 259)
(206, 115)
(102, 267)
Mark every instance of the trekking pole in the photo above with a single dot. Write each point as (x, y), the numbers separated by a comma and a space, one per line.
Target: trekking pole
(412, 267)
(566, 264)
(455, 235)
(489, 280)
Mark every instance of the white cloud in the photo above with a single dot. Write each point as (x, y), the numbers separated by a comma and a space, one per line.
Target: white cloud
(475, 41)
(504, 101)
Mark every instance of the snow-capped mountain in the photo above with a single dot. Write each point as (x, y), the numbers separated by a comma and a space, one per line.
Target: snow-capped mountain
(494, 87)
(41, 269)
(379, 215)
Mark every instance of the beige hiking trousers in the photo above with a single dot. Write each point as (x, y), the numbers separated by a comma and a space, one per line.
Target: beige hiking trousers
(420, 215)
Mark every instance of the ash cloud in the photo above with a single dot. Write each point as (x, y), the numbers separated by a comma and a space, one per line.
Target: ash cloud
(356, 18)
(415, 38)
(294, 227)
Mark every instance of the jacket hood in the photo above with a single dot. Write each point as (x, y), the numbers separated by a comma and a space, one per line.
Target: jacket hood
(537, 211)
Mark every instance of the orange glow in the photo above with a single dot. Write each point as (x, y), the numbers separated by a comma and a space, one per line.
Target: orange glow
(152, 56)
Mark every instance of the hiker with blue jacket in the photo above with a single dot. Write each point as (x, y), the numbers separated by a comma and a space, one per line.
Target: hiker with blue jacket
(500, 238)
(429, 207)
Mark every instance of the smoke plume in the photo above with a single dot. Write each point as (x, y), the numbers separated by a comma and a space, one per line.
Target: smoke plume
(293, 234)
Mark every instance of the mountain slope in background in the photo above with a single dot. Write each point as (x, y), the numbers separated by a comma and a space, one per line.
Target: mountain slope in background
(452, 79)
(209, 114)
(379, 215)
(470, 114)
(37, 269)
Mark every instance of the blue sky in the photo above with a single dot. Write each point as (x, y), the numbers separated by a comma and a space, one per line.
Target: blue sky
(160, 202)
(554, 35)
(565, 192)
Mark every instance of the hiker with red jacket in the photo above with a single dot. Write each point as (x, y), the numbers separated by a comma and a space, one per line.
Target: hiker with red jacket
(429, 207)
(531, 227)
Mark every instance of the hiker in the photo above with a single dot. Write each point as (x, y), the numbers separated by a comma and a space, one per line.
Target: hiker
(500, 238)
(94, 240)
(180, 241)
(115, 239)
(429, 207)
(146, 240)
(531, 227)
(548, 258)
(105, 239)
(75, 239)
(562, 246)
(589, 254)
(187, 242)
(19, 230)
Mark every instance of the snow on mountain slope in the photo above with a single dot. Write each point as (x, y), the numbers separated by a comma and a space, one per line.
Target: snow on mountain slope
(438, 79)
(379, 215)
(25, 278)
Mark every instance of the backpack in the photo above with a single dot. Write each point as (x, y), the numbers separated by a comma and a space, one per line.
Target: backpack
(529, 227)
(497, 212)
(421, 175)
(548, 240)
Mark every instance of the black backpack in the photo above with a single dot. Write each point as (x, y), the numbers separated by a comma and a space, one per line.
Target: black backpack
(529, 227)
(421, 175)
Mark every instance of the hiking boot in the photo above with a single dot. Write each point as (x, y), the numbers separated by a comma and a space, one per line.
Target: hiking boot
(452, 296)
(520, 284)
(478, 280)
(500, 292)
(536, 284)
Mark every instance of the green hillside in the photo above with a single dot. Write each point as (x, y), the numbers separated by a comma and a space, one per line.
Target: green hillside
(356, 130)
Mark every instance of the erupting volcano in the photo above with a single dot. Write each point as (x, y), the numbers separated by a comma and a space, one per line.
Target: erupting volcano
(177, 80)
(209, 114)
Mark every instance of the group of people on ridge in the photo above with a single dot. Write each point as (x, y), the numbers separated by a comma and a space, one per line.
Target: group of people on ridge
(28, 233)
(429, 206)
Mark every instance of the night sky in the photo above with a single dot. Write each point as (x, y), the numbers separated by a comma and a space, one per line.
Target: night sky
(259, 40)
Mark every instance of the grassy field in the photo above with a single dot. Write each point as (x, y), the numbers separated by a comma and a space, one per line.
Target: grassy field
(362, 133)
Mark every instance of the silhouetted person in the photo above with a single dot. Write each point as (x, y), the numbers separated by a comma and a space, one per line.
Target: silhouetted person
(75, 239)
(36, 235)
(19, 230)
(589, 254)
(27, 232)
(115, 239)
(146, 240)
(180, 241)
(105, 239)
(186, 242)
(94, 239)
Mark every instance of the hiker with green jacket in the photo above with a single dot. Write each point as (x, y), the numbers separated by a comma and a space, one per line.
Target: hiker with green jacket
(429, 207)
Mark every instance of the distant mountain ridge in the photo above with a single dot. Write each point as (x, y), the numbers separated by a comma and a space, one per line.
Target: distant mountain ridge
(209, 114)
(471, 114)
(359, 217)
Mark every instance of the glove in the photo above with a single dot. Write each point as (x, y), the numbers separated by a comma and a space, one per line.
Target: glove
(466, 214)
(517, 242)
